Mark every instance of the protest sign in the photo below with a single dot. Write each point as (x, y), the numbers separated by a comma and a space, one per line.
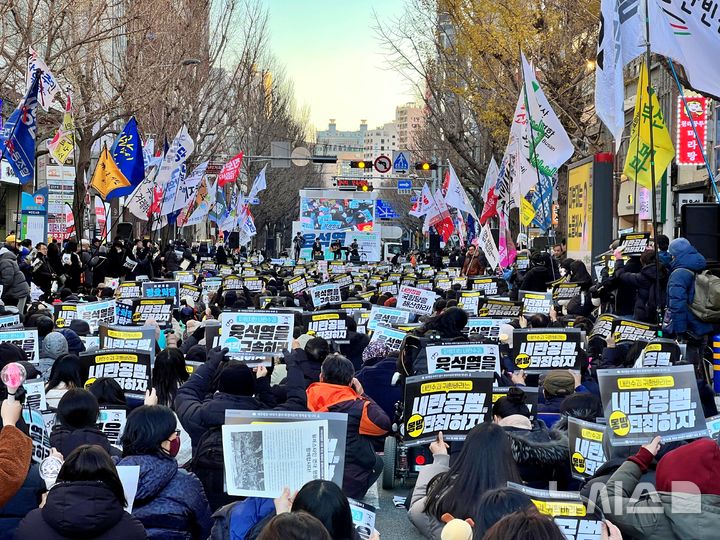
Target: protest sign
(660, 353)
(161, 289)
(131, 369)
(531, 397)
(453, 356)
(426, 284)
(625, 331)
(297, 284)
(390, 287)
(210, 285)
(111, 422)
(337, 432)
(261, 460)
(491, 307)
(38, 434)
(232, 283)
(251, 335)
(387, 315)
(489, 286)
(27, 340)
(351, 307)
(522, 261)
(585, 441)
(336, 267)
(566, 291)
(328, 324)
(254, 284)
(64, 314)
(10, 321)
(184, 276)
(143, 309)
(363, 517)
(342, 280)
(97, 313)
(128, 289)
(534, 302)
(453, 403)
(603, 327)
(713, 425)
(225, 270)
(327, 293)
(469, 302)
(361, 319)
(389, 336)
(634, 244)
(443, 284)
(640, 403)
(191, 291)
(485, 328)
(416, 300)
(212, 334)
(130, 338)
(568, 510)
(542, 349)
(35, 394)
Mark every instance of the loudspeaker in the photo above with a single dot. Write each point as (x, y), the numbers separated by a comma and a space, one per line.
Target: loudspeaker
(124, 231)
(434, 243)
(699, 224)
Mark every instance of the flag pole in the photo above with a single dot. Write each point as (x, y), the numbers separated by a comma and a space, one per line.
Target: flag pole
(660, 309)
(697, 137)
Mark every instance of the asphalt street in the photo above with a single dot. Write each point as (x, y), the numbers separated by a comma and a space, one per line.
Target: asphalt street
(392, 522)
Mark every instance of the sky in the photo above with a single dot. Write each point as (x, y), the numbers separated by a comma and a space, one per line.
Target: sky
(335, 61)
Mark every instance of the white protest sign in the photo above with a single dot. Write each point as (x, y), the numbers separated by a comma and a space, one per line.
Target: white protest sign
(327, 293)
(416, 300)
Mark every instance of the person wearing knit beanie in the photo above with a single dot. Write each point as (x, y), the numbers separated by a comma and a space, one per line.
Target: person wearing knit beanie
(686, 503)
(237, 379)
(53, 346)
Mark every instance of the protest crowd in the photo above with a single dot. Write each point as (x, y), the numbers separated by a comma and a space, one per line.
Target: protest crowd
(212, 393)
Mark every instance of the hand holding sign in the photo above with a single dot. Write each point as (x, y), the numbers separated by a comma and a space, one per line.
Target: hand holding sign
(10, 411)
(653, 446)
(12, 376)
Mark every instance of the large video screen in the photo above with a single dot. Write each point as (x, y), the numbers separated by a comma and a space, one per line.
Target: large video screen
(336, 214)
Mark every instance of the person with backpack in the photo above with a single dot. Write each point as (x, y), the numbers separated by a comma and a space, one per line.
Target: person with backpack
(686, 263)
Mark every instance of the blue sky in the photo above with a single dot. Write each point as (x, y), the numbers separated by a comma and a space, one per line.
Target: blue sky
(335, 60)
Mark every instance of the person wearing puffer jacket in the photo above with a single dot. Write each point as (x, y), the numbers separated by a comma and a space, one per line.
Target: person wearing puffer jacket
(686, 503)
(15, 286)
(686, 263)
(170, 502)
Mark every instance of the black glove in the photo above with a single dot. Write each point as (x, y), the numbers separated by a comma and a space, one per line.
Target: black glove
(219, 354)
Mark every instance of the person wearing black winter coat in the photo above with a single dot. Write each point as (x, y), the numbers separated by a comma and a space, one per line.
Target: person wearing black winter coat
(541, 454)
(647, 298)
(71, 265)
(538, 277)
(625, 293)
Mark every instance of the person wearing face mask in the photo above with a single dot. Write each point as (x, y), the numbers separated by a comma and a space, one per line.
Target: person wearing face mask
(170, 502)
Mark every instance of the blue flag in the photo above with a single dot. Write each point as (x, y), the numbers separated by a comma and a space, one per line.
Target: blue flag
(128, 155)
(542, 203)
(217, 213)
(17, 138)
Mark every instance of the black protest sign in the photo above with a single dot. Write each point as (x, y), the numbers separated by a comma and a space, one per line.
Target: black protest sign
(254, 283)
(542, 349)
(484, 328)
(342, 280)
(491, 307)
(390, 287)
(603, 326)
(212, 334)
(661, 353)
(161, 289)
(522, 261)
(469, 302)
(634, 244)
(490, 286)
(531, 397)
(444, 284)
(184, 276)
(467, 356)
(232, 283)
(535, 302)
(626, 331)
(640, 403)
(131, 369)
(566, 291)
(568, 510)
(64, 314)
(160, 309)
(297, 284)
(426, 284)
(191, 291)
(328, 324)
(129, 338)
(453, 403)
(351, 307)
(585, 441)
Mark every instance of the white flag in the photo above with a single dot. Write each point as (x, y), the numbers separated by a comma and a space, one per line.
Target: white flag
(552, 144)
(455, 195)
(419, 209)
(432, 212)
(204, 207)
(258, 184)
(490, 177)
(48, 84)
(172, 170)
(487, 244)
(187, 189)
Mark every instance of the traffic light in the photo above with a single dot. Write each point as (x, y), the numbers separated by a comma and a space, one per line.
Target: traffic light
(365, 187)
(426, 166)
(361, 164)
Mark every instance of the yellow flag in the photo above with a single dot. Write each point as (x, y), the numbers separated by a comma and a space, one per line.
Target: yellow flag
(527, 212)
(63, 143)
(637, 162)
(107, 176)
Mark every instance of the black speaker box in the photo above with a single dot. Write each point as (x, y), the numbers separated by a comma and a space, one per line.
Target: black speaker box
(700, 225)
(124, 231)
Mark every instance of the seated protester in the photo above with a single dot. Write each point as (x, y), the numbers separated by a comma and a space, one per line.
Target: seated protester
(339, 391)
(686, 503)
(556, 386)
(52, 347)
(525, 525)
(484, 463)
(294, 526)
(108, 393)
(86, 502)
(353, 351)
(376, 376)
(308, 354)
(75, 344)
(67, 372)
(541, 454)
(75, 421)
(446, 326)
(170, 502)
(620, 356)
(581, 405)
(495, 504)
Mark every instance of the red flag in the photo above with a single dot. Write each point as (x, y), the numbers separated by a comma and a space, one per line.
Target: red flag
(445, 228)
(490, 206)
(230, 170)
